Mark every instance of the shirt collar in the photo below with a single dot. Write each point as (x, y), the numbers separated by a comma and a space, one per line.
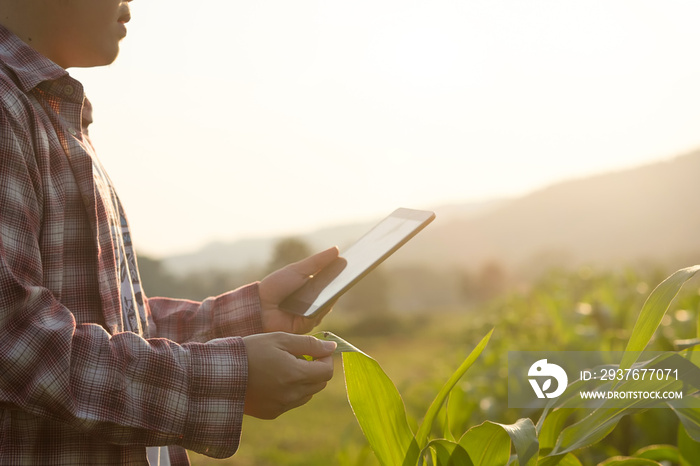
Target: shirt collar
(30, 67)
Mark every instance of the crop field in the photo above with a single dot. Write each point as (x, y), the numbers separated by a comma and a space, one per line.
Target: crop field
(563, 311)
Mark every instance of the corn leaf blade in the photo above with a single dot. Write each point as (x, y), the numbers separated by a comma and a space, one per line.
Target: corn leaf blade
(653, 311)
(688, 448)
(688, 412)
(567, 459)
(379, 409)
(659, 453)
(424, 429)
(448, 453)
(524, 436)
(487, 444)
(628, 461)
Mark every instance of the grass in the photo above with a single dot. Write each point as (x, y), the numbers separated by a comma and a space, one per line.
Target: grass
(564, 311)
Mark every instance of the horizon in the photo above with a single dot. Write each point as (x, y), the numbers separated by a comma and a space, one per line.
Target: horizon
(363, 108)
(447, 212)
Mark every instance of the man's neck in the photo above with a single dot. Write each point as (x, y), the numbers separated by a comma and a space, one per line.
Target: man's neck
(20, 18)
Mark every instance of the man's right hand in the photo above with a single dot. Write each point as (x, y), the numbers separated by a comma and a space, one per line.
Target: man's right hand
(277, 379)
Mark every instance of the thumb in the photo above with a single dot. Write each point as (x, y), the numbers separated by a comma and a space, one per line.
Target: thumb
(316, 262)
(306, 345)
(283, 282)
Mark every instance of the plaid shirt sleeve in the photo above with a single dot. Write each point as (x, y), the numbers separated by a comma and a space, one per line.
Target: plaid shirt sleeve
(236, 313)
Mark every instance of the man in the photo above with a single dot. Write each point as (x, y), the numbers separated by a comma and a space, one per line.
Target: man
(92, 371)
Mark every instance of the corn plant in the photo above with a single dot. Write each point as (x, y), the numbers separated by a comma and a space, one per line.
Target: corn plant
(553, 440)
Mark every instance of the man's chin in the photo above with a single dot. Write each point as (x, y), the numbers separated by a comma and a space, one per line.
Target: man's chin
(101, 58)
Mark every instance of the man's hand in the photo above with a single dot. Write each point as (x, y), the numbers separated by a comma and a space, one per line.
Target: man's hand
(278, 285)
(279, 381)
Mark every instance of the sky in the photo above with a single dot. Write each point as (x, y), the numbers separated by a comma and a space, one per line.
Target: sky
(227, 120)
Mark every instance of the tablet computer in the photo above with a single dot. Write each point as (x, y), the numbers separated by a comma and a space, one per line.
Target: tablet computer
(323, 289)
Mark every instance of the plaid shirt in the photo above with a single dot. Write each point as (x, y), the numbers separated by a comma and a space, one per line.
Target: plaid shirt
(75, 387)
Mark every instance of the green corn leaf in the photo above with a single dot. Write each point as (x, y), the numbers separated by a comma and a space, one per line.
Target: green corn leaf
(448, 453)
(379, 409)
(688, 448)
(600, 421)
(524, 436)
(686, 343)
(659, 453)
(551, 428)
(590, 430)
(487, 444)
(567, 459)
(424, 429)
(628, 461)
(553, 413)
(688, 412)
(551, 423)
(652, 312)
(377, 405)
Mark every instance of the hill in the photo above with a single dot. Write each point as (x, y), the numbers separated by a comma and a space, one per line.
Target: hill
(649, 213)
(255, 251)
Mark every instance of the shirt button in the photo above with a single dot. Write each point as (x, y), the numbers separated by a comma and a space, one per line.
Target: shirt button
(72, 131)
(68, 90)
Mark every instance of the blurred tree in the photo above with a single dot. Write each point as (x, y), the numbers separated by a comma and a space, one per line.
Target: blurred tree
(199, 285)
(485, 284)
(367, 304)
(213, 282)
(155, 279)
(369, 296)
(466, 284)
(420, 287)
(491, 280)
(286, 251)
